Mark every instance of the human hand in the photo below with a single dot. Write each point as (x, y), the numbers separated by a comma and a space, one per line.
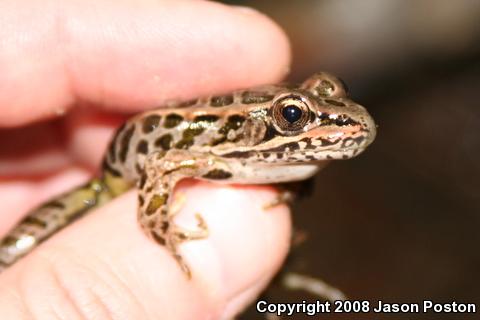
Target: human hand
(103, 57)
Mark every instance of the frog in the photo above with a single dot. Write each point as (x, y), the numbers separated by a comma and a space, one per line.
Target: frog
(268, 134)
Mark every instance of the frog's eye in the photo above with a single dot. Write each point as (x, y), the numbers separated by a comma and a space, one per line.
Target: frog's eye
(290, 114)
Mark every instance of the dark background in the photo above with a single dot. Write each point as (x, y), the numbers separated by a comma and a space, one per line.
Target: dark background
(401, 222)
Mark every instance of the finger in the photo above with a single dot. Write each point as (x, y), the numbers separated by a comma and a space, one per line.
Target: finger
(105, 267)
(129, 54)
(36, 165)
(20, 195)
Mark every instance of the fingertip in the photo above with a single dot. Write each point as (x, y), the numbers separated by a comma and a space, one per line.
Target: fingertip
(272, 56)
(132, 55)
(181, 50)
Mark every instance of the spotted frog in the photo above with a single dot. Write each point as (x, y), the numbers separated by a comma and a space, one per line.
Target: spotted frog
(268, 134)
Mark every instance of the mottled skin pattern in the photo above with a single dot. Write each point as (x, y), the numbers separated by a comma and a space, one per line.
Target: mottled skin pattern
(242, 137)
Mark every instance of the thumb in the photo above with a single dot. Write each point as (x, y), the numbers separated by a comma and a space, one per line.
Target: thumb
(104, 267)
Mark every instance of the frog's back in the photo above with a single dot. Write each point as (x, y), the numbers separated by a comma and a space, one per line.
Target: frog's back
(196, 125)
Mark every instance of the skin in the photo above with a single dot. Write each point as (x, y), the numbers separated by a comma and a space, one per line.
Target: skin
(97, 59)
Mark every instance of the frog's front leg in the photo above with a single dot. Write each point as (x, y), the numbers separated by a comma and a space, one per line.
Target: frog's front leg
(289, 192)
(162, 171)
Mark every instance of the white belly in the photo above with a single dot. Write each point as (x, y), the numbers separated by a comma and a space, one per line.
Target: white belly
(261, 174)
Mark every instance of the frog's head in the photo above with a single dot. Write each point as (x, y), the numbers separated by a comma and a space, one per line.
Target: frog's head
(316, 121)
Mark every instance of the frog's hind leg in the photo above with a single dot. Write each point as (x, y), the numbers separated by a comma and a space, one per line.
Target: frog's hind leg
(157, 208)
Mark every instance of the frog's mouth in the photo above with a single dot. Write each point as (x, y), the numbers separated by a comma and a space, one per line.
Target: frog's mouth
(307, 149)
(299, 157)
(320, 145)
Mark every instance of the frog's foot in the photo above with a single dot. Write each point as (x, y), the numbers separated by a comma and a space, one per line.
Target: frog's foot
(171, 243)
(181, 234)
(176, 235)
(289, 192)
(283, 197)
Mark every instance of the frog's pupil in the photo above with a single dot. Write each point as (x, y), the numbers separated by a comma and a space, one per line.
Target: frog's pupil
(292, 113)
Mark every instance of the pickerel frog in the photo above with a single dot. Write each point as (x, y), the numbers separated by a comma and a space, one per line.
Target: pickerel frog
(268, 134)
